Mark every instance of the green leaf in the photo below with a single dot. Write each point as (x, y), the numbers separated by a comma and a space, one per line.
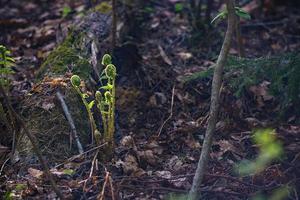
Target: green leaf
(20, 187)
(91, 104)
(66, 11)
(85, 96)
(220, 16)
(241, 13)
(9, 195)
(107, 87)
(10, 59)
(6, 71)
(68, 172)
(178, 7)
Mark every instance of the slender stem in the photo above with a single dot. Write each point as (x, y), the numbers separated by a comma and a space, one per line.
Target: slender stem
(113, 110)
(114, 25)
(215, 101)
(90, 114)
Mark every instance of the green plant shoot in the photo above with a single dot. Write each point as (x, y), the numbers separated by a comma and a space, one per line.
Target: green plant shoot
(238, 11)
(105, 101)
(75, 81)
(6, 62)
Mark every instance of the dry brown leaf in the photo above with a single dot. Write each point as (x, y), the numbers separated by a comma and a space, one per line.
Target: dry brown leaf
(148, 156)
(163, 174)
(35, 173)
(164, 55)
(174, 163)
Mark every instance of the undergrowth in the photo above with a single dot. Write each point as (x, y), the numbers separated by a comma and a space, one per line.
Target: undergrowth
(283, 73)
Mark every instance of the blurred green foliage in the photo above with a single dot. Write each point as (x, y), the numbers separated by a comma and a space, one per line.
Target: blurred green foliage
(179, 7)
(66, 11)
(269, 150)
(6, 62)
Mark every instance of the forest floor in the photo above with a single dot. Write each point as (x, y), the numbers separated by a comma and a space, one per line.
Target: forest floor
(161, 120)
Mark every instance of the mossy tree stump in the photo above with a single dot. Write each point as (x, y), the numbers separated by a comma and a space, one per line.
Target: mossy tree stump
(80, 54)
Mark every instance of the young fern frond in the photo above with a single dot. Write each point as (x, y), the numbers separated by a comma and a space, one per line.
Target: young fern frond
(108, 100)
(105, 102)
(75, 81)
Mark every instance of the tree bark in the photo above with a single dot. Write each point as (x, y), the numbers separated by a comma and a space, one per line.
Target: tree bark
(214, 107)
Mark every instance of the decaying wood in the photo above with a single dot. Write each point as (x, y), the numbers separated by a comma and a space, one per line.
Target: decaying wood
(215, 101)
(87, 40)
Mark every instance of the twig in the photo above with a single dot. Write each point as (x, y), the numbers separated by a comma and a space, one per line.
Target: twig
(111, 188)
(101, 196)
(171, 113)
(77, 156)
(91, 170)
(2, 167)
(34, 144)
(70, 120)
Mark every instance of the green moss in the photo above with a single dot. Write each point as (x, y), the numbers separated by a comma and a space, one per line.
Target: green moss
(68, 56)
(103, 7)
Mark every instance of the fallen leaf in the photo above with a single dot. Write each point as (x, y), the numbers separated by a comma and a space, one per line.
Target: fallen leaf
(35, 173)
(174, 163)
(164, 55)
(163, 174)
(127, 141)
(148, 156)
(185, 55)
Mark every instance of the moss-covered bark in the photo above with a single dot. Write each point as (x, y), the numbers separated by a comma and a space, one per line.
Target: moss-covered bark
(42, 112)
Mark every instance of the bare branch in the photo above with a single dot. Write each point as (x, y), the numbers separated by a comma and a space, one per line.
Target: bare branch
(70, 120)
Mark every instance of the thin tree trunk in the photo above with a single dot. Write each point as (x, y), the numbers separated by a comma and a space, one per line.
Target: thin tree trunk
(114, 25)
(214, 107)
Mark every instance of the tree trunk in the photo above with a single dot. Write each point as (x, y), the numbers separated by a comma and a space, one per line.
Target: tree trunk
(214, 107)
